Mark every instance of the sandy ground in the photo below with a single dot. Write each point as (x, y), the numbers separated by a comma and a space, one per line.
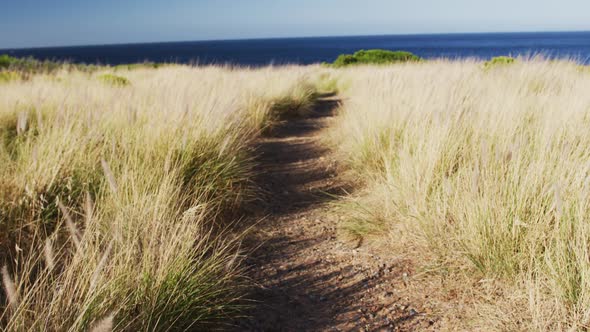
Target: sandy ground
(306, 277)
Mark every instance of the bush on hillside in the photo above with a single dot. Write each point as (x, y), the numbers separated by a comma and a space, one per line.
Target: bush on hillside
(345, 60)
(6, 60)
(375, 57)
(30, 66)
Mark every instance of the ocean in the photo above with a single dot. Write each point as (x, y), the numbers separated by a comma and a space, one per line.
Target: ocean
(259, 52)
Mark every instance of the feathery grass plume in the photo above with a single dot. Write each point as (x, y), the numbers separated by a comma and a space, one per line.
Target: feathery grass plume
(49, 254)
(224, 145)
(100, 266)
(517, 223)
(104, 325)
(21, 123)
(475, 175)
(74, 233)
(447, 187)
(168, 161)
(9, 287)
(229, 266)
(39, 117)
(485, 153)
(109, 175)
(88, 208)
(35, 156)
(557, 204)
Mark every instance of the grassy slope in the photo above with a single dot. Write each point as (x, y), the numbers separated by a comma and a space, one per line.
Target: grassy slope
(486, 169)
(109, 191)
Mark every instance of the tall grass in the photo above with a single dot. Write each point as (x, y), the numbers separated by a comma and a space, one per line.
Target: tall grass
(114, 198)
(487, 169)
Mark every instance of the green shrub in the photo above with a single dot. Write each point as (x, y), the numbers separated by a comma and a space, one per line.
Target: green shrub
(6, 60)
(379, 57)
(499, 61)
(26, 67)
(31, 65)
(345, 60)
(114, 80)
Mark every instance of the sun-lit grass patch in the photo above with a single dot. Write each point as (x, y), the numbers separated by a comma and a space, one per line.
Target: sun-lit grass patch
(487, 171)
(114, 202)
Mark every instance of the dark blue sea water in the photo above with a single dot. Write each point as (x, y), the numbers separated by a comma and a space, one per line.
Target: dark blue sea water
(313, 50)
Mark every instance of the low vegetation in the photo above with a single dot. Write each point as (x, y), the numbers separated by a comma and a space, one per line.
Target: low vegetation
(117, 205)
(114, 203)
(135, 66)
(9, 75)
(499, 61)
(484, 173)
(27, 67)
(374, 57)
(114, 80)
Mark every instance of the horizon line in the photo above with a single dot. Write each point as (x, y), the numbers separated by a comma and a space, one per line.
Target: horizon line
(289, 37)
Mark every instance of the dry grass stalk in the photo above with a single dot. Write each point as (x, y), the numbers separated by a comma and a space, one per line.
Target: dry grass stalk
(71, 226)
(10, 288)
(109, 175)
(49, 254)
(104, 325)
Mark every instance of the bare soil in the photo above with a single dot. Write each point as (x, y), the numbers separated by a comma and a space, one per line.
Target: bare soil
(307, 278)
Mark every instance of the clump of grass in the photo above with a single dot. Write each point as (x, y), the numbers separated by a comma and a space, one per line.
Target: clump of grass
(327, 83)
(499, 61)
(376, 57)
(482, 172)
(298, 104)
(295, 98)
(114, 80)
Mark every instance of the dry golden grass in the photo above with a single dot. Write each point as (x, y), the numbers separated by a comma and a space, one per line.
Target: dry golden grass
(487, 170)
(109, 193)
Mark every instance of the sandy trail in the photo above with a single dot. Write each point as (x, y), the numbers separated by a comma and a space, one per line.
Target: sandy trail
(309, 280)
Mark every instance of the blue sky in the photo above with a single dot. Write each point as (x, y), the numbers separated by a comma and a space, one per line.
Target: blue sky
(28, 23)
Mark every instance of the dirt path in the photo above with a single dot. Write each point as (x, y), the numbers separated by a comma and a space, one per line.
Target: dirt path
(307, 279)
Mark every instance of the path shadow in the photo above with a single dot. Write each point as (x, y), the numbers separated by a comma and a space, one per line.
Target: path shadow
(305, 279)
(294, 173)
(300, 285)
(318, 294)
